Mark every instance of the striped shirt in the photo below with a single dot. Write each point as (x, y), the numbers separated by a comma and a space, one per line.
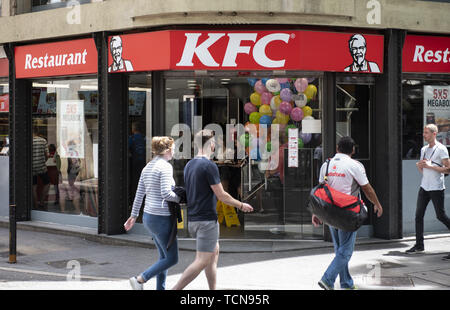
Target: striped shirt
(156, 184)
(40, 151)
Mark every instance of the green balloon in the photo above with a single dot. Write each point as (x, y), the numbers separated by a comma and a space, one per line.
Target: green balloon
(300, 143)
(291, 126)
(245, 139)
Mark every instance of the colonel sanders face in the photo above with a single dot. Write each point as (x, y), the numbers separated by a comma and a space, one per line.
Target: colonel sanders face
(116, 49)
(358, 49)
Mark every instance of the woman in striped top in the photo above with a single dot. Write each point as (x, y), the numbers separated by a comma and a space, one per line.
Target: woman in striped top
(156, 184)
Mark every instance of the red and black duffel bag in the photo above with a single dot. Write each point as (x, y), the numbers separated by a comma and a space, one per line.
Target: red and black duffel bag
(336, 209)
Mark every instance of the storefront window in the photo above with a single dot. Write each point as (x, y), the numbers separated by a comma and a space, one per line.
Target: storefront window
(425, 100)
(4, 114)
(139, 131)
(271, 176)
(40, 5)
(65, 146)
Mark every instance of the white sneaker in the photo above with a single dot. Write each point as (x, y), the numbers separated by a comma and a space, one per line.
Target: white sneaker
(135, 284)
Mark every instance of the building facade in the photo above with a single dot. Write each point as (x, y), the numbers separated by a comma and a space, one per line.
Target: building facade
(103, 77)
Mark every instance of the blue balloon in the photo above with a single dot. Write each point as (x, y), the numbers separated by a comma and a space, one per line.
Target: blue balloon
(264, 81)
(252, 81)
(285, 85)
(265, 120)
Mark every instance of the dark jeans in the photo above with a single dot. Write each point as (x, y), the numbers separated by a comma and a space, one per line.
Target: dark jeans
(424, 197)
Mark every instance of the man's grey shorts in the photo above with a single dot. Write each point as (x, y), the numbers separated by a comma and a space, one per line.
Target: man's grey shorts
(206, 233)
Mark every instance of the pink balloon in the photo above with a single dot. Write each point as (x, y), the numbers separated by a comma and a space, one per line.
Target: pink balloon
(266, 97)
(301, 84)
(259, 87)
(282, 80)
(285, 108)
(250, 108)
(297, 114)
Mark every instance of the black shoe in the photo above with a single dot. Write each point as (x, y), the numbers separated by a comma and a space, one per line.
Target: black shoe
(446, 257)
(415, 249)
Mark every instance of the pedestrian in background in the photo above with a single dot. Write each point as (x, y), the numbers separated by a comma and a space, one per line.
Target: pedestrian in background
(433, 164)
(156, 184)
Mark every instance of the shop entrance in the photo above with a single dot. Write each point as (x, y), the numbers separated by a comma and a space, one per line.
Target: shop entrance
(273, 179)
(354, 119)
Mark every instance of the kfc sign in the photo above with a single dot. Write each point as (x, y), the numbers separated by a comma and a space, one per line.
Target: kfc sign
(56, 59)
(233, 48)
(246, 50)
(426, 54)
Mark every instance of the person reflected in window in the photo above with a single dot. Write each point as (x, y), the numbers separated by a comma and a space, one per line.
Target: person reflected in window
(69, 190)
(40, 155)
(136, 149)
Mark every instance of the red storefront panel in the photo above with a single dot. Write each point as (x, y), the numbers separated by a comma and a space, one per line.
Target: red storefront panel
(75, 57)
(247, 50)
(426, 54)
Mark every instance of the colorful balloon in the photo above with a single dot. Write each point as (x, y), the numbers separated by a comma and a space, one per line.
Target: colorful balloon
(310, 91)
(255, 98)
(259, 87)
(286, 94)
(266, 97)
(265, 109)
(282, 80)
(300, 100)
(250, 108)
(252, 81)
(275, 103)
(306, 137)
(273, 86)
(265, 120)
(282, 118)
(300, 143)
(307, 111)
(285, 108)
(301, 84)
(291, 126)
(254, 117)
(297, 114)
(245, 139)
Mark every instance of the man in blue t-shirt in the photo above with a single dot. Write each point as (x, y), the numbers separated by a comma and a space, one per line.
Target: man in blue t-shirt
(202, 182)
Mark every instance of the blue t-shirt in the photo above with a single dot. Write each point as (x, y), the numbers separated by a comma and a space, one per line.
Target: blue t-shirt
(199, 174)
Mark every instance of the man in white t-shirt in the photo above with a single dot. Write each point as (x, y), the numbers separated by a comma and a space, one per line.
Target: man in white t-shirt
(347, 176)
(433, 164)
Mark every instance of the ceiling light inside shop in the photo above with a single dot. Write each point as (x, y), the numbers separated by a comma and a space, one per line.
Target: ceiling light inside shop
(225, 79)
(191, 81)
(51, 85)
(139, 89)
(89, 87)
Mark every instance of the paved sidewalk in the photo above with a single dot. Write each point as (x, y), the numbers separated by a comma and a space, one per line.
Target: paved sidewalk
(45, 261)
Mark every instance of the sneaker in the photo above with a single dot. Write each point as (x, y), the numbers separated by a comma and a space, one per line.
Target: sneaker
(325, 286)
(446, 257)
(415, 249)
(353, 288)
(135, 284)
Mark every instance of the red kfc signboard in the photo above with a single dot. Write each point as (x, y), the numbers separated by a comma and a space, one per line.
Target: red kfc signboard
(56, 59)
(247, 50)
(426, 54)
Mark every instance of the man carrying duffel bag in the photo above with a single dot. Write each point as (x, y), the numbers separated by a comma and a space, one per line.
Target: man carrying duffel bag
(344, 175)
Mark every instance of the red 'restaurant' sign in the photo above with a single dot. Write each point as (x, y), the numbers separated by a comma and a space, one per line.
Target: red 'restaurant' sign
(56, 59)
(426, 54)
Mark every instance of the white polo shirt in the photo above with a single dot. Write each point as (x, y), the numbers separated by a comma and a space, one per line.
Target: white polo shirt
(344, 174)
(433, 180)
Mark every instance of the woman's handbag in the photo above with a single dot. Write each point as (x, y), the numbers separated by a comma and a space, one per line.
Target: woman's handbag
(336, 209)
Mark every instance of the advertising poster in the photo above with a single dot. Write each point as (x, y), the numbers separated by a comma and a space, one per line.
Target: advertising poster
(293, 147)
(4, 103)
(71, 128)
(436, 110)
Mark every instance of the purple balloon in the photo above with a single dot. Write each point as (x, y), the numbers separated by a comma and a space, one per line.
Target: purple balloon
(301, 84)
(286, 95)
(297, 115)
(306, 137)
(286, 108)
(250, 108)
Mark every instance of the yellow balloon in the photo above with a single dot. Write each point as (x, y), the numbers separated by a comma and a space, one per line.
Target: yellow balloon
(307, 111)
(265, 110)
(276, 121)
(282, 118)
(275, 102)
(310, 91)
(255, 98)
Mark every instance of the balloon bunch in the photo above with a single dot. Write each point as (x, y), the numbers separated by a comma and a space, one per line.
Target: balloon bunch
(280, 101)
